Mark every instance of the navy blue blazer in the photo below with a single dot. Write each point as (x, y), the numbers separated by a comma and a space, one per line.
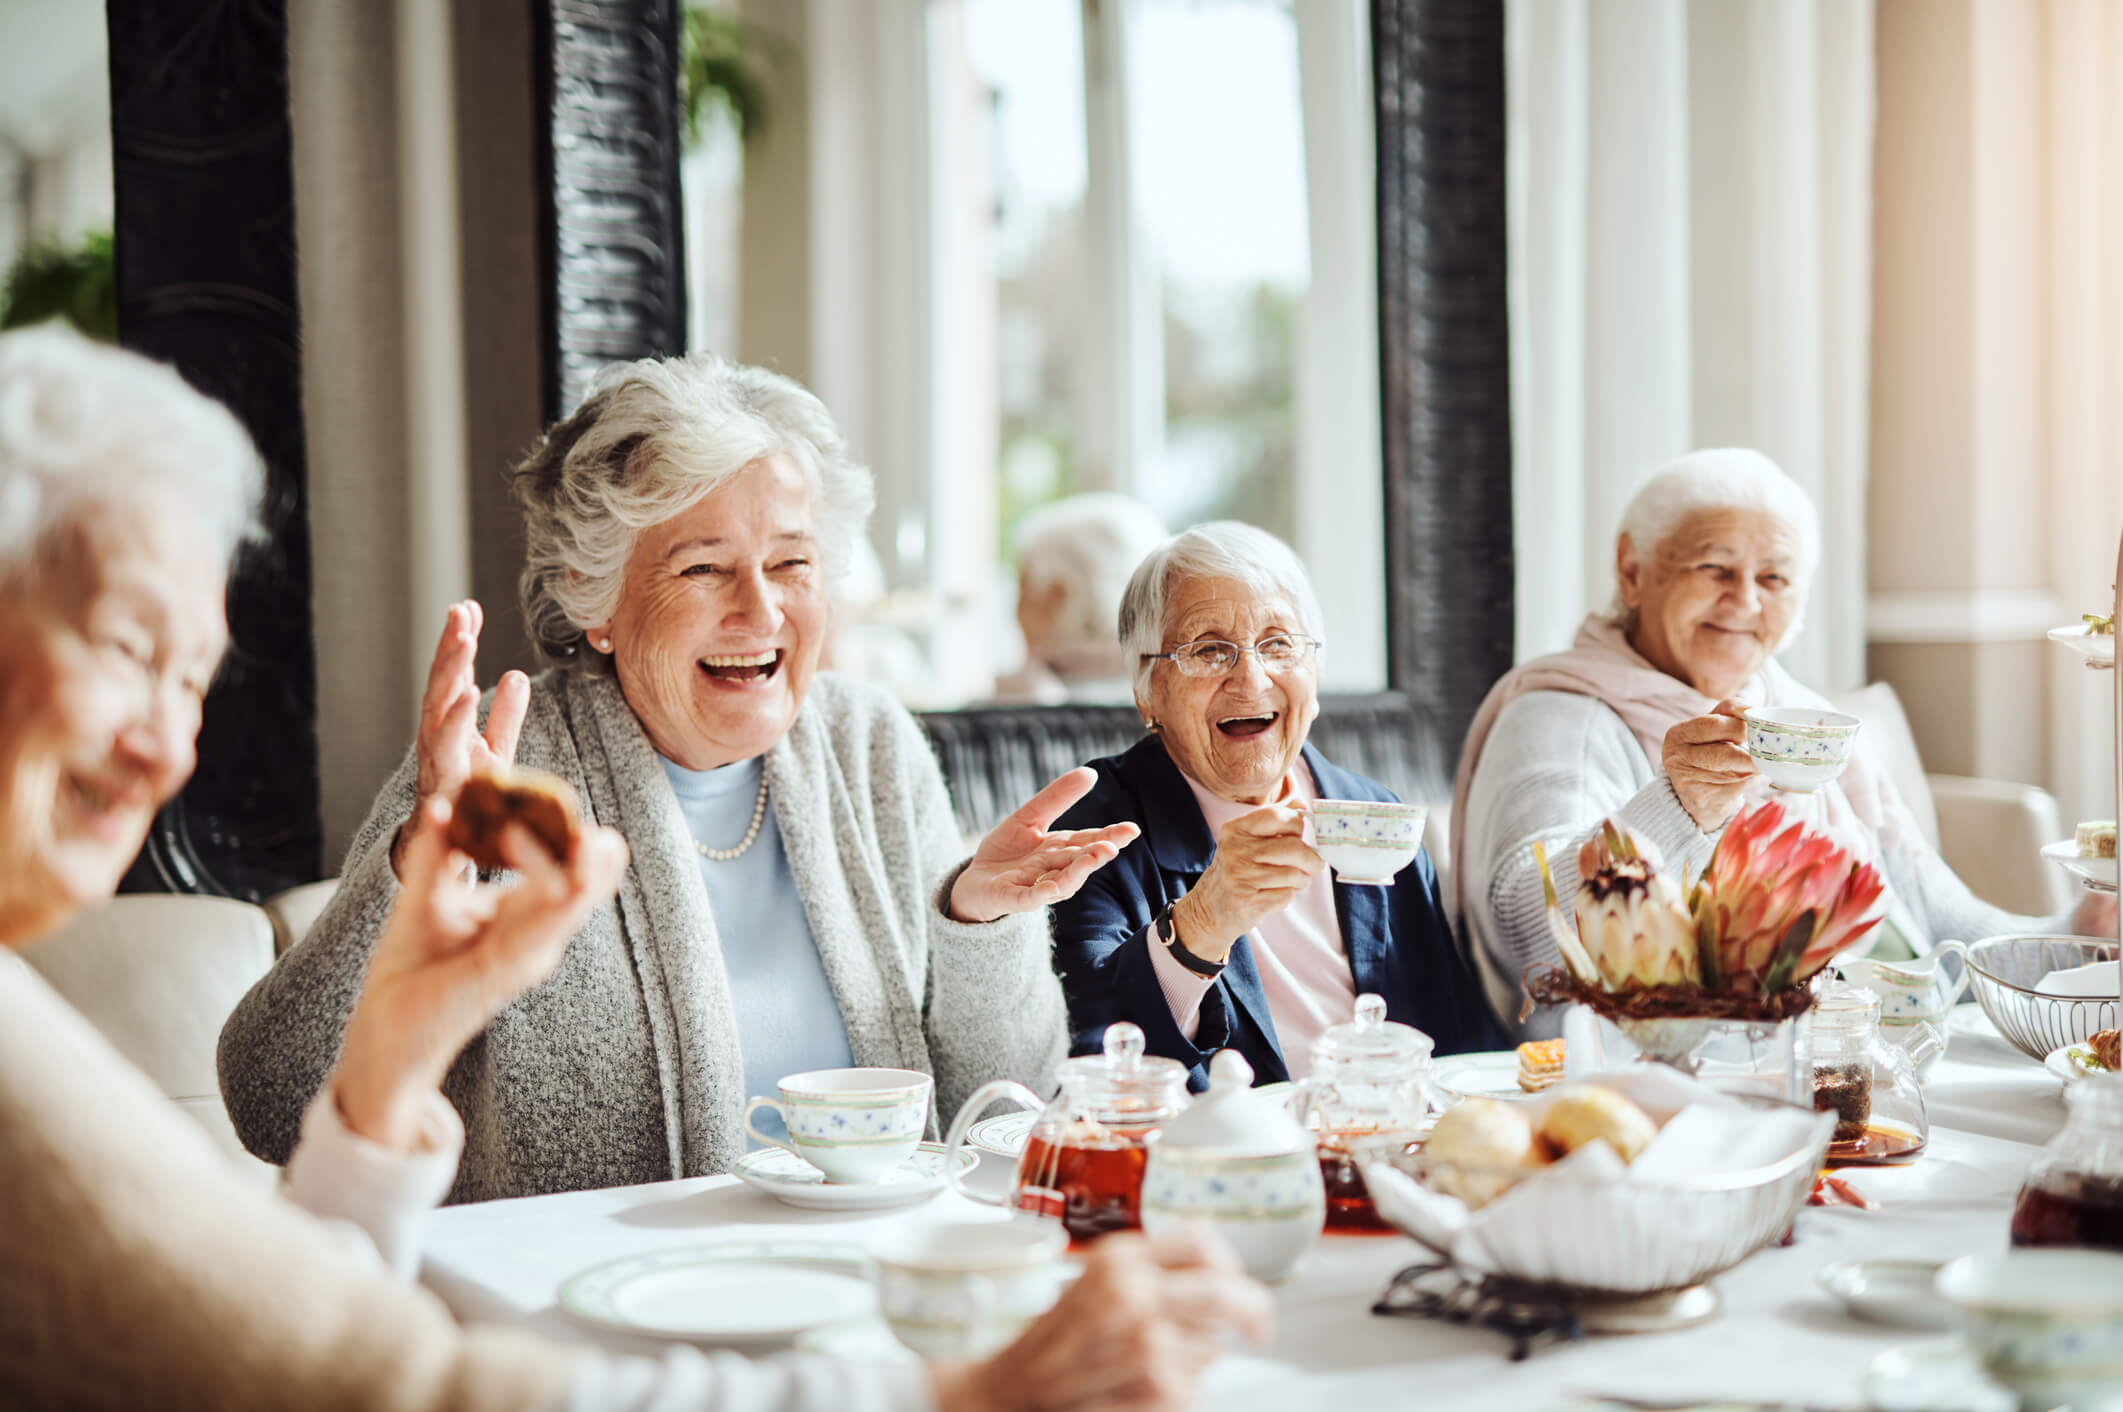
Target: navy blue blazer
(1399, 944)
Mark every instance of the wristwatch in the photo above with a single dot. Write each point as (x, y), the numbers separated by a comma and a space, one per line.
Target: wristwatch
(1168, 937)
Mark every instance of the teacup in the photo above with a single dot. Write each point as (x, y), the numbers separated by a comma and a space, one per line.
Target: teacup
(1799, 748)
(1912, 990)
(1367, 841)
(2047, 1323)
(965, 1290)
(855, 1125)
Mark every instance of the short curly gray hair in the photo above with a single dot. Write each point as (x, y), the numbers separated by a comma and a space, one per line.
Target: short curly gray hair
(1225, 549)
(85, 425)
(650, 439)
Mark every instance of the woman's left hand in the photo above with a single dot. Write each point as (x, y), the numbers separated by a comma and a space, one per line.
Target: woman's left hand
(453, 953)
(1020, 866)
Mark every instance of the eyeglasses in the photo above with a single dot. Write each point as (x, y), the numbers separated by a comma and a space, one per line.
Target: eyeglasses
(1212, 658)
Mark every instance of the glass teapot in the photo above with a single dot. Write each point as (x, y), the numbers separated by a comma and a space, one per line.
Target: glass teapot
(2074, 1193)
(1370, 1082)
(1083, 1159)
(1867, 1081)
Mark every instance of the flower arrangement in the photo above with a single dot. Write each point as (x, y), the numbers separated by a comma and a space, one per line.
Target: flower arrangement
(1776, 903)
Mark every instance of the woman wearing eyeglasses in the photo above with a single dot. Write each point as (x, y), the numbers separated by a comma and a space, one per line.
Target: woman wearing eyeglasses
(1221, 928)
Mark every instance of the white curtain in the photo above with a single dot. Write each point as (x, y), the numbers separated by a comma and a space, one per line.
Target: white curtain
(1690, 213)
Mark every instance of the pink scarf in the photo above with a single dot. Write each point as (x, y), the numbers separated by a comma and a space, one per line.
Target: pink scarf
(1861, 809)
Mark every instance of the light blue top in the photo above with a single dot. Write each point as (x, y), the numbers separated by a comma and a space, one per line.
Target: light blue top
(787, 1017)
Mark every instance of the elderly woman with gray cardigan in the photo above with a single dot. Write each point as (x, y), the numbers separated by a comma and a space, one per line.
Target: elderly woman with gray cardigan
(798, 897)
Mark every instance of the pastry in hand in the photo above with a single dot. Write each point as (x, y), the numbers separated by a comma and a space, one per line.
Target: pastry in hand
(1593, 1114)
(1480, 1149)
(544, 804)
(2107, 1047)
(1540, 1064)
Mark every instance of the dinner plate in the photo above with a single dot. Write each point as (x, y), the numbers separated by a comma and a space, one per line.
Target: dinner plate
(787, 1177)
(1004, 1136)
(2095, 647)
(2072, 1063)
(2101, 872)
(743, 1294)
(1894, 1292)
(1938, 1376)
(1492, 1074)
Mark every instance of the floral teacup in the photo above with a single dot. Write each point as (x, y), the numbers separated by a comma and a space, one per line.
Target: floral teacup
(963, 1291)
(2047, 1323)
(1367, 841)
(855, 1125)
(1797, 747)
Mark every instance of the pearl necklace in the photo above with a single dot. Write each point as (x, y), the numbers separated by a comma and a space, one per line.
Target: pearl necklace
(759, 816)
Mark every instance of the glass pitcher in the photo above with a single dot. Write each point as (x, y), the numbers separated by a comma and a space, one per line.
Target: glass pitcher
(1370, 1083)
(1869, 1083)
(1083, 1160)
(2074, 1193)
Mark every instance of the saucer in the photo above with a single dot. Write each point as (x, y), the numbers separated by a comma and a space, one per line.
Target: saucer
(1939, 1376)
(744, 1294)
(787, 1177)
(858, 1341)
(2072, 1063)
(1893, 1292)
(1004, 1136)
(1493, 1074)
(2093, 646)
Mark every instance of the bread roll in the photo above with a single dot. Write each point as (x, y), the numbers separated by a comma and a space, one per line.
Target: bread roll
(1480, 1149)
(1582, 1115)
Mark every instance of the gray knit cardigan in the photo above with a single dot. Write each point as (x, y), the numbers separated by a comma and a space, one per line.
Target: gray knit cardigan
(624, 1067)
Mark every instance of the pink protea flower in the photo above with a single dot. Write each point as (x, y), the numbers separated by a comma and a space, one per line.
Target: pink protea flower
(1777, 902)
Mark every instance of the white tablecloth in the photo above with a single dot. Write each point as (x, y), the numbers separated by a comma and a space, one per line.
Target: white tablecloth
(1778, 1336)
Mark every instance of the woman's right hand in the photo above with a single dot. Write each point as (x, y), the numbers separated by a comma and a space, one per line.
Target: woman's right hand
(1262, 863)
(1708, 765)
(451, 748)
(1134, 1331)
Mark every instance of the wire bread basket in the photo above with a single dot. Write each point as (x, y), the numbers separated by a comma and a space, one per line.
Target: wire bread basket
(1627, 1238)
(2006, 970)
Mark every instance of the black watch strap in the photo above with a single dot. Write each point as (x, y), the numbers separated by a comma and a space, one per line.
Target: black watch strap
(1168, 937)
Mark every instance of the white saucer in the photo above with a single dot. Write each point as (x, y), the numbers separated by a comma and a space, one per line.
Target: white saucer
(2094, 647)
(1939, 1376)
(858, 1341)
(1004, 1136)
(743, 1294)
(2071, 1063)
(1492, 1074)
(1893, 1292)
(2101, 872)
(787, 1177)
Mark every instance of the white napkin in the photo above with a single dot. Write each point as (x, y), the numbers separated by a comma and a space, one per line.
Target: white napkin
(2099, 979)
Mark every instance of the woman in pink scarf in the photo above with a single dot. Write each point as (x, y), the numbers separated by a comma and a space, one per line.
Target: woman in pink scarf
(1640, 720)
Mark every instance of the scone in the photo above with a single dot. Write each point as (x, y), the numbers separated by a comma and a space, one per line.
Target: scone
(1592, 1114)
(2097, 839)
(1480, 1149)
(544, 804)
(1540, 1064)
(2107, 1046)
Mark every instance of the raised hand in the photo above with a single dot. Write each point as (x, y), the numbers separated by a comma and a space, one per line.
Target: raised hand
(453, 953)
(1262, 863)
(1706, 761)
(1020, 866)
(451, 747)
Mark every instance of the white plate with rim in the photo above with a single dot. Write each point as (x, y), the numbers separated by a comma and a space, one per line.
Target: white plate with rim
(1893, 1292)
(1938, 1376)
(2072, 1063)
(787, 1177)
(1488, 1074)
(742, 1294)
(2095, 647)
(2065, 854)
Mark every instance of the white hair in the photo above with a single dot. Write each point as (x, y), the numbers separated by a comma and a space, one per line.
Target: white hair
(1089, 544)
(84, 426)
(1723, 478)
(1223, 549)
(650, 440)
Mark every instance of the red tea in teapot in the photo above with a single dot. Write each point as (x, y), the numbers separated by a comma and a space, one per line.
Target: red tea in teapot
(1093, 1184)
(1349, 1204)
(2070, 1210)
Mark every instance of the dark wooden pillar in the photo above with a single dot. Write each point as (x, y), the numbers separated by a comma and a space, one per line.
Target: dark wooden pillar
(206, 281)
(1444, 344)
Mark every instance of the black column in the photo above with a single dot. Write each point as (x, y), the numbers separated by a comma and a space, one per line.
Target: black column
(1444, 344)
(206, 281)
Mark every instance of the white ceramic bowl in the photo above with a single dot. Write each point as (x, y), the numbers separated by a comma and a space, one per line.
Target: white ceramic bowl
(1797, 747)
(1367, 840)
(2047, 1323)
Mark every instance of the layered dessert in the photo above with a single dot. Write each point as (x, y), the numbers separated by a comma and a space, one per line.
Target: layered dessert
(1540, 1064)
(2097, 839)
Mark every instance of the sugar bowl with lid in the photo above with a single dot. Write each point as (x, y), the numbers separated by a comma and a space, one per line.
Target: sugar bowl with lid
(1236, 1160)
